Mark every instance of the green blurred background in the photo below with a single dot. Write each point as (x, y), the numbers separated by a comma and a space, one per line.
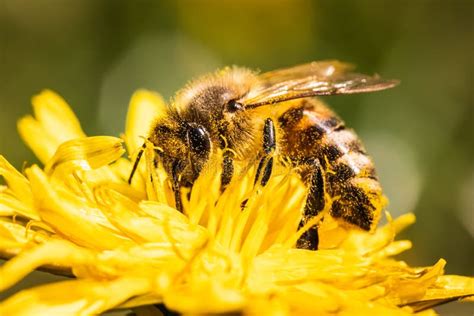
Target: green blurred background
(96, 53)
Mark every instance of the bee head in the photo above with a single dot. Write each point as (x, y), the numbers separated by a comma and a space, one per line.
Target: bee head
(198, 119)
(184, 147)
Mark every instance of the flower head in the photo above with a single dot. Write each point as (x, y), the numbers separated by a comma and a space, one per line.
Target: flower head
(127, 246)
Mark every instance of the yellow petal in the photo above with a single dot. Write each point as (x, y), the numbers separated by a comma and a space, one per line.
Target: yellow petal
(405, 289)
(35, 137)
(73, 216)
(449, 286)
(145, 107)
(219, 299)
(12, 238)
(13, 231)
(55, 123)
(11, 206)
(56, 117)
(21, 198)
(57, 252)
(83, 297)
(365, 243)
(86, 153)
(166, 224)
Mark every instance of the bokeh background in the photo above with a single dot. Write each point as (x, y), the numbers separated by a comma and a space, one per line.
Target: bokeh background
(96, 53)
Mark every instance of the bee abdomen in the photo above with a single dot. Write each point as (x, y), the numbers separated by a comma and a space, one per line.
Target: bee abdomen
(312, 131)
(352, 181)
(358, 202)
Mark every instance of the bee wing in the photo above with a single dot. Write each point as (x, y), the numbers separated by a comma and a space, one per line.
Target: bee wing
(312, 79)
(322, 69)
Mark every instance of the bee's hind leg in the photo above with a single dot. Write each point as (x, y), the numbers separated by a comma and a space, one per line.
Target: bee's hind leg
(314, 204)
(269, 145)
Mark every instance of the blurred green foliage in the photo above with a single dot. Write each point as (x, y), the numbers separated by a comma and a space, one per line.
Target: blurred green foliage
(96, 53)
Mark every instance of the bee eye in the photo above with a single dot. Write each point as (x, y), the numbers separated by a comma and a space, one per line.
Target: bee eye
(234, 106)
(198, 140)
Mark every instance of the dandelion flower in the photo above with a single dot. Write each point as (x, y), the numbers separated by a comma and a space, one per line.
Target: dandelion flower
(126, 246)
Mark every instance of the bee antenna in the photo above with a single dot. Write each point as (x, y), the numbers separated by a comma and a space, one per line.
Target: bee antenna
(137, 160)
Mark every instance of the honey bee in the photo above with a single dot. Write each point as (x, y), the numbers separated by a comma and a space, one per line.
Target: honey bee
(254, 115)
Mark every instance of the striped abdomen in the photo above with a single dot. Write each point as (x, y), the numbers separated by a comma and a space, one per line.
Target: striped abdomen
(311, 131)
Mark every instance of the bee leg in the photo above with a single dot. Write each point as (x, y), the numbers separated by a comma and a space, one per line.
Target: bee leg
(135, 164)
(227, 169)
(269, 145)
(259, 170)
(314, 204)
(176, 186)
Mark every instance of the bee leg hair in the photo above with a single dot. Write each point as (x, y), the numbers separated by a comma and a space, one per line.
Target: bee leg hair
(314, 204)
(227, 169)
(176, 187)
(269, 145)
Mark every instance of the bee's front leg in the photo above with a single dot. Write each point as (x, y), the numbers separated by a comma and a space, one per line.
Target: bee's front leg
(269, 145)
(227, 169)
(176, 185)
(314, 204)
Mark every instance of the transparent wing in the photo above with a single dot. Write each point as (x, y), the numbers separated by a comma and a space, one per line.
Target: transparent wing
(313, 79)
(321, 69)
